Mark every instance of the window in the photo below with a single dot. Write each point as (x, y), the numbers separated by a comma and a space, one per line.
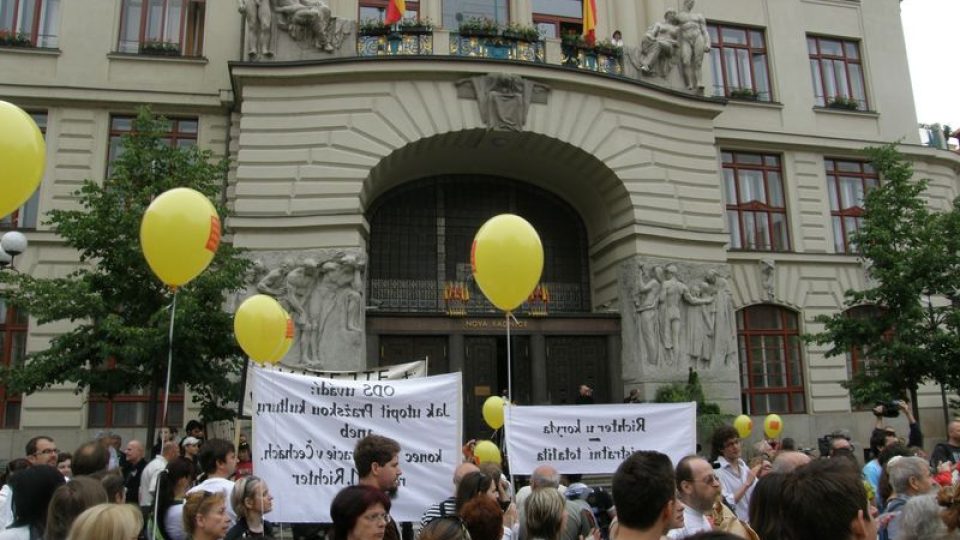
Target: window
(738, 58)
(377, 10)
(455, 11)
(555, 18)
(182, 133)
(34, 20)
(756, 212)
(857, 359)
(771, 373)
(848, 183)
(837, 72)
(26, 216)
(130, 410)
(13, 348)
(155, 26)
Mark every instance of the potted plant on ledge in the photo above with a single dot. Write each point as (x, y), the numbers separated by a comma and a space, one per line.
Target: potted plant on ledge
(608, 48)
(14, 39)
(416, 26)
(373, 27)
(160, 48)
(844, 103)
(479, 27)
(522, 32)
(744, 93)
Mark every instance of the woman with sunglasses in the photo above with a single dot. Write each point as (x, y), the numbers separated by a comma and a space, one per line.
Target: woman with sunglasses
(360, 513)
(251, 500)
(205, 516)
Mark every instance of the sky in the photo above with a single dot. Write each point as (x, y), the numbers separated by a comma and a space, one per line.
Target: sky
(933, 50)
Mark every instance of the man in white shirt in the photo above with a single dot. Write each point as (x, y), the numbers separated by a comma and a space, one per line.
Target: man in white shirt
(698, 488)
(736, 479)
(148, 478)
(218, 460)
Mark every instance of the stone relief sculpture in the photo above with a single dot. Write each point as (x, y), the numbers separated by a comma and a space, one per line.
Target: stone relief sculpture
(658, 50)
(310, 23)
(694, 44)
(325, 299)
(768, 270)
(259, 25)
(681, 319)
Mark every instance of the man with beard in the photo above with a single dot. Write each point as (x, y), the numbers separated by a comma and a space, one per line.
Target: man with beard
(377, 460)
(698, 488)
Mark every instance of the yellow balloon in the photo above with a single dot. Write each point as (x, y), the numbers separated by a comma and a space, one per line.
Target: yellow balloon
(285, 345)
(493, 412)
(743, 425)
(507, 260)
(260, 325)
(179, 235)
(22, 157)
(772, 426)
(487, 452)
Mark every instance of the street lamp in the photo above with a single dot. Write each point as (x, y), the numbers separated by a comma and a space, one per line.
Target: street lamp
(12, 244)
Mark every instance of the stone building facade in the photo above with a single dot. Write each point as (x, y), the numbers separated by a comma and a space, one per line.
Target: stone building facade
(684, 228)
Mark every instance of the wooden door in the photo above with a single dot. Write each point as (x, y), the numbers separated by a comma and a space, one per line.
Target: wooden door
(480, 381)
(402, 349)
(576, 360)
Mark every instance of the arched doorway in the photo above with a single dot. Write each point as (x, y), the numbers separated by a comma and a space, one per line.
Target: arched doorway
(424, 304)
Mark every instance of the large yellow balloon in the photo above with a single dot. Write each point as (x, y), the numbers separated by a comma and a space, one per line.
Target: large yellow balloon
(179, 235)
(285, 345)
(507, 259)
(22, 156)
(493, 412)
(744, 425)
(260, 325)
(487, 452)
(772, 426)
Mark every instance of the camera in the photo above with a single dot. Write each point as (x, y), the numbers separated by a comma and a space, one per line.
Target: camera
(889, 409)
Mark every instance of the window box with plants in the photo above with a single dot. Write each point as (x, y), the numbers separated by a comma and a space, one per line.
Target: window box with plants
(522, 32)
(415, 26)
(14, 39)
(479, 27)
(372, 27)
(606, 47)
(744, 93)
(843, 103)
(160, 48)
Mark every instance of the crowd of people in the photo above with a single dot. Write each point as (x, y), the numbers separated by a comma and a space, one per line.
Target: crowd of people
(204, 489)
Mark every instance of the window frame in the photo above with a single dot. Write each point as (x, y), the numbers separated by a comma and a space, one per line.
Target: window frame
(755, 207)
(507, 19)
(835, 194)
(40, 10)
(34, 200)
(821, 99)
(752, 51)
(409, 5)
(190, 37)
(10, 327)
(176, 397)
(748, 392)
(175, 135)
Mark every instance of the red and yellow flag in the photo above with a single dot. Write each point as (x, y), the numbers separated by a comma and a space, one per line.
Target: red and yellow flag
(590, 21)
(395, 11)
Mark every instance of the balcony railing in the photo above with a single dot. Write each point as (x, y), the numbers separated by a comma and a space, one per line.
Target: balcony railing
(403, 42)
(498, 46)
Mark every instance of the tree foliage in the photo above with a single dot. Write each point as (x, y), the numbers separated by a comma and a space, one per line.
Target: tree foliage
(119, 310)
(912, 257)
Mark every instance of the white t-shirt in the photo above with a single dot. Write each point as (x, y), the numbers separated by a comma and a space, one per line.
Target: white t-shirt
(148, 480)
(173, 523)
(693, 523)
(731, 482)
(214, 485)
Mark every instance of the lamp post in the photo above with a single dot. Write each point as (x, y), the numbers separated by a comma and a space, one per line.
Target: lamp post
(12, 244)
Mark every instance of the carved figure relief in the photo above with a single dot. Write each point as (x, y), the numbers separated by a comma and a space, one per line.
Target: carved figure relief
(768, 275)
(325, 300)
(679, 40)
(504, 99)
(259, 26)
(694, 44)
(659, 48)
(681, 325)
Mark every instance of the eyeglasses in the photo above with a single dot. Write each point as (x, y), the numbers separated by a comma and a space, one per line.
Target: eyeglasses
(45, 452)
(379, 516)
(709, 480)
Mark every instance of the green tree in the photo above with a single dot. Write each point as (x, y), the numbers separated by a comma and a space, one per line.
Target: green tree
(911, 255)
(119, 311)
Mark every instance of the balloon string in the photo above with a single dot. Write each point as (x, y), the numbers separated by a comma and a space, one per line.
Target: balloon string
(166, 390)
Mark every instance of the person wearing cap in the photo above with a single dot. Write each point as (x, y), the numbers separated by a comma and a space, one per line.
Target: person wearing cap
(189, 448)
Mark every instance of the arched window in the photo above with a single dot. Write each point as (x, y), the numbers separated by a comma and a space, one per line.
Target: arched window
(771, 369)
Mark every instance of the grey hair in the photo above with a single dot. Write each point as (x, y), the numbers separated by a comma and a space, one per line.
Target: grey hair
(920, 520)
(901, 469)
(541, 480)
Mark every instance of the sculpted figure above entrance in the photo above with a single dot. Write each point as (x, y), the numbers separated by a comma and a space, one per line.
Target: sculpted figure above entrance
(323, 293)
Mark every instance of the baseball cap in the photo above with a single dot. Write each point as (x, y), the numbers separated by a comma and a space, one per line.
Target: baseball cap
(191, 440)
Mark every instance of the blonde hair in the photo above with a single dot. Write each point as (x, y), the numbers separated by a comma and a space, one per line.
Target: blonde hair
(107, 522)
(544, 513)
(243, 489)
(199, 504)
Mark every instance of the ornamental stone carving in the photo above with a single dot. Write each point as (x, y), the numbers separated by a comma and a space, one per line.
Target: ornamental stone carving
(672, 50)
(504, 99)
(294, 30)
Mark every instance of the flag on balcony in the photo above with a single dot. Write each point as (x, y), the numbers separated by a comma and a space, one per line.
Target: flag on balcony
(395, 11)
(590, 21)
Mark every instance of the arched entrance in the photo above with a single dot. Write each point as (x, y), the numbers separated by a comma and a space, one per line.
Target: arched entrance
(424, 304)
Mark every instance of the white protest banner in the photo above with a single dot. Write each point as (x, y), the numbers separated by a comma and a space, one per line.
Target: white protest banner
(305, 429)
(594, 439)
(409, 370)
